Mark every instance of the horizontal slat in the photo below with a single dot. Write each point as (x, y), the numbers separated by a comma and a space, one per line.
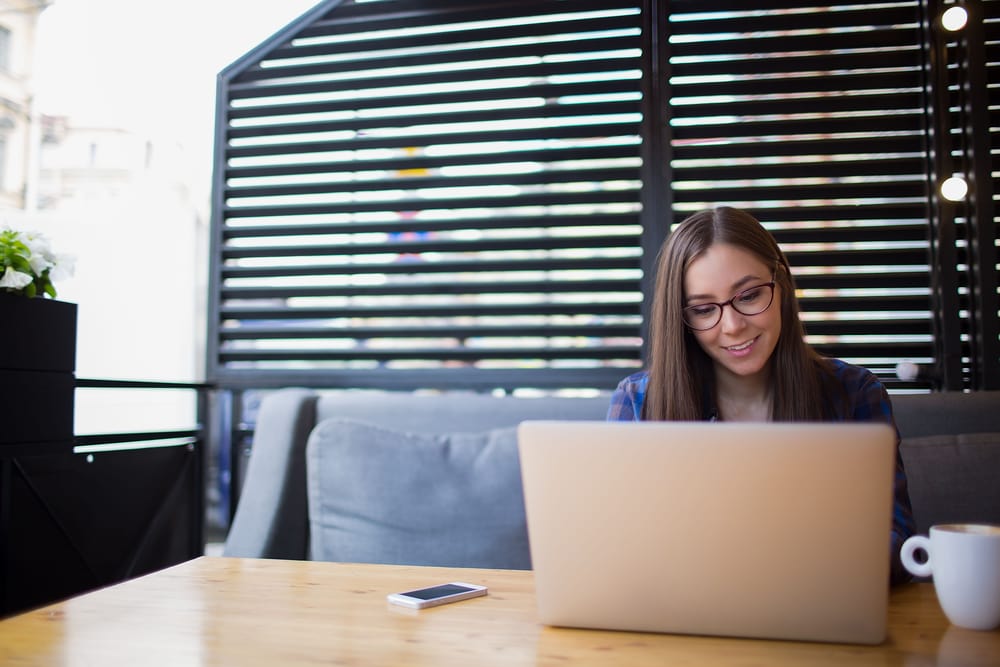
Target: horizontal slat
(451, 331)
(857, 15)
(851, 143)
(426, 226)
(356, 161)
(443, 118)
(708, 127)
(803, 103)
(444, 354)
(422, 246)
(540, 70)
(762, 63)
(452, 266)
(450, 310)
(805, 191)
(840, 82)
(857, 234)
(623, 173)
(418, 204)
(602, 129)
(465, 288)
(537, 89)
(742, 45)
(871, 211)
(872, 327)
(681, 8)
(822, 20)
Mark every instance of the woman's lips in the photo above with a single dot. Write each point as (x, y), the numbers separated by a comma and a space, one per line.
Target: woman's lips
(741, 349)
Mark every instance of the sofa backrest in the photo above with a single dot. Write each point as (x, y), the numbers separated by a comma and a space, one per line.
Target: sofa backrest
(272, 517)
(454, 412)
(950, 448)
(947, 412)
(951, 451)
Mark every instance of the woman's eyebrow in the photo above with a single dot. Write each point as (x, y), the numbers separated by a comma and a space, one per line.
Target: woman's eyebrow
(736, 287)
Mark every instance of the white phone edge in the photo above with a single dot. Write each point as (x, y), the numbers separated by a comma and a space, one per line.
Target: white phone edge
(416, 603)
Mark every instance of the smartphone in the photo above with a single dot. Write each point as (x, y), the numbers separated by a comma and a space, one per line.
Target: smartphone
(435, 595)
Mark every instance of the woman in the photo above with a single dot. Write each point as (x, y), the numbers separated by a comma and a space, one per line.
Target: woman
(726, 343)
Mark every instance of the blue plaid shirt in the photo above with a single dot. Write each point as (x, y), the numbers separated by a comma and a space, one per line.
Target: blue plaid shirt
(867, 401)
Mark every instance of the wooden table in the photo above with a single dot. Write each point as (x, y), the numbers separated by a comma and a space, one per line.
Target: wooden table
(229, 611)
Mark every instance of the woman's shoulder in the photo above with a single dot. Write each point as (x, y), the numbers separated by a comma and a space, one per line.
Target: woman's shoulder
(864, 393)
(628, 397)
(850, 375)
(637, 379)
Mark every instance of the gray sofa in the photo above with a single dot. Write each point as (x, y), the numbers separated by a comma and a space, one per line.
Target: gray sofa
(433, 479)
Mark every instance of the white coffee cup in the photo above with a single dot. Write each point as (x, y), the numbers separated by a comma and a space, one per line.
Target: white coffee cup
(964, 559)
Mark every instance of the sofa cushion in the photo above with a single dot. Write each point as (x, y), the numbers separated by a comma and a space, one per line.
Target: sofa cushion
(953, 478)
(379, 495)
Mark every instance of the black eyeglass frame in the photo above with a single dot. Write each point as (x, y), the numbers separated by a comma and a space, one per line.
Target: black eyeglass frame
(732, 303)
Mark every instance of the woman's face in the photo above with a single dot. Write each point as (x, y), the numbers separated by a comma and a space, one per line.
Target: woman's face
(739, 345)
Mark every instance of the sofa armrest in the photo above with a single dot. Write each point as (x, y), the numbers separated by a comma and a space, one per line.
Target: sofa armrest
(271, 518)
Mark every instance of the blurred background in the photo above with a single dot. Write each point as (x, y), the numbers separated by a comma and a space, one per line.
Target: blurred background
(112, 103)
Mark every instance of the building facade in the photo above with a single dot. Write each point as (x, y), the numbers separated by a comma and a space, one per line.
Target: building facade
(19, 128)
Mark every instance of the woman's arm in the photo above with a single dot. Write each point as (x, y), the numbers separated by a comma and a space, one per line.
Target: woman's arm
(871, 403)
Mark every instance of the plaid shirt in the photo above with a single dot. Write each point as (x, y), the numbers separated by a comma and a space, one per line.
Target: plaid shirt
(867, 401)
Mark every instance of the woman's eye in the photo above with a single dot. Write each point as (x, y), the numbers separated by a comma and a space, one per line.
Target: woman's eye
(750, 295)
(701, 311)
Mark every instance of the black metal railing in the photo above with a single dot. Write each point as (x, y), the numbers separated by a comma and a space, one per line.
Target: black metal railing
(95, 509)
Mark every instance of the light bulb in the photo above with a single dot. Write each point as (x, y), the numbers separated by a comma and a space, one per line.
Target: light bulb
(954, 18)
(954, 188)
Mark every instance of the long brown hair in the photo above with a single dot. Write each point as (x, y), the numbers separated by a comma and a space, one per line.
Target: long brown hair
(681, 379)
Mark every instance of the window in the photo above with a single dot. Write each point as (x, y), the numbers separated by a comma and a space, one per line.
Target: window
(4, 49)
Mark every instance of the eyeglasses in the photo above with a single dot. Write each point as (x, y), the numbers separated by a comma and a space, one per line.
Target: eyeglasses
(751, 301)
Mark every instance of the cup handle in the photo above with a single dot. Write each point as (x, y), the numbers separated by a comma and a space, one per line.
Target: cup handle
(910, 546)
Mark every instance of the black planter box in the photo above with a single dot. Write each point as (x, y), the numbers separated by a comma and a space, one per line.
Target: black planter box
(37, 366)
(37, 334)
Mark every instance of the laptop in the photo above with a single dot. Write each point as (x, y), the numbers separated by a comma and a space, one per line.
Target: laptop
(763, 530)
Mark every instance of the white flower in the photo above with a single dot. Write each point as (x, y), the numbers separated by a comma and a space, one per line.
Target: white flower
(15, 279)
(28, 264)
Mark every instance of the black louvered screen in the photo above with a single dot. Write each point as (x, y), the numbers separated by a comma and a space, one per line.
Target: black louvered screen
(813, 118)
(471, 194)
(434, 194)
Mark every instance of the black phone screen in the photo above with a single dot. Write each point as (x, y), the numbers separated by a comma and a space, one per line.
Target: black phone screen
(436, 591)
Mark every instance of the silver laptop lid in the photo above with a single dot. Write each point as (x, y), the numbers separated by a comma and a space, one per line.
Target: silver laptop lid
(770, 530)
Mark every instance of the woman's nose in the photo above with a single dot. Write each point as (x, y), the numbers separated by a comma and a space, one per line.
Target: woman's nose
(732, 319)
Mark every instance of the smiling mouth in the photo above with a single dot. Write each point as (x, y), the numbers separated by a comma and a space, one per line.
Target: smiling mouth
(742, 346)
